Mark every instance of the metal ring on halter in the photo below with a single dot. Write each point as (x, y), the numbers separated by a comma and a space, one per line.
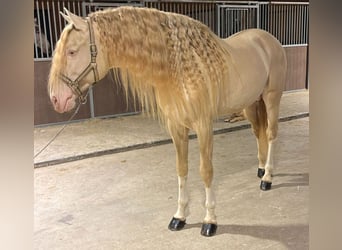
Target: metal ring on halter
(92, 66)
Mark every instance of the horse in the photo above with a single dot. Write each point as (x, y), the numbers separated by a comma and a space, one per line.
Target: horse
(41, 44)
(182, 73)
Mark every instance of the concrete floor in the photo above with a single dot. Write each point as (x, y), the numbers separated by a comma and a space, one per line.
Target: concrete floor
(125, 200)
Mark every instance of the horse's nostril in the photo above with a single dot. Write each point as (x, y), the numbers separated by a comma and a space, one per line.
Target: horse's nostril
(54, 100)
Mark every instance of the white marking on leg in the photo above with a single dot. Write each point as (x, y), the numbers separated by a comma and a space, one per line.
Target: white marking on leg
(261, 165)
(269, 163)
(210, 204)
(182, 199)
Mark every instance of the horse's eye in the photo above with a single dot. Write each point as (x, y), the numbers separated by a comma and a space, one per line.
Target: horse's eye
(71, 52)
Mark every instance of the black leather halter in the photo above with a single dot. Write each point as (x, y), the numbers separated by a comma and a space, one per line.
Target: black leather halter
(92, 66)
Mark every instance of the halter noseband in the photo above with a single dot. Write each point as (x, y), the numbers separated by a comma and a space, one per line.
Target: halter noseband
(92, 66)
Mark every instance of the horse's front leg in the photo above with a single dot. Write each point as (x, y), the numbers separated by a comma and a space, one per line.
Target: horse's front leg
(180, 139)
(205, 139)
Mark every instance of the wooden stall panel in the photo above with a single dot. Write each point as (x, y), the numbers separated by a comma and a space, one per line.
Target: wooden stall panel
(110, 98)
(296, 67)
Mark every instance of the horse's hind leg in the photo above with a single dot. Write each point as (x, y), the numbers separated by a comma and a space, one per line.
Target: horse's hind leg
(205, 139)
(180, 139)
(272, 103)
(256, 114)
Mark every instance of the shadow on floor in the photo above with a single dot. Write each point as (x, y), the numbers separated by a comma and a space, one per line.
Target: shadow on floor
(301, 180)
(292, 236)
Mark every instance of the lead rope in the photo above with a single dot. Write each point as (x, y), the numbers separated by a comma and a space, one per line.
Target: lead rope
(60, 131)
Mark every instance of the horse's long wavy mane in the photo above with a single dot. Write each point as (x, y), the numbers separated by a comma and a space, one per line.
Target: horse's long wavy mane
(173, 64)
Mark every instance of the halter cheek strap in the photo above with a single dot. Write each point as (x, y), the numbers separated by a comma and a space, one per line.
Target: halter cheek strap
(92, 66)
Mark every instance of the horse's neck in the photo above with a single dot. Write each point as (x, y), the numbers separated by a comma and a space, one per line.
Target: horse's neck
(133, 45)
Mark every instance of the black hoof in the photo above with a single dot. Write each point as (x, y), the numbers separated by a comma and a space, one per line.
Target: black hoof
(208, 229)
(265, 185)
(176, 224)
(261, 172)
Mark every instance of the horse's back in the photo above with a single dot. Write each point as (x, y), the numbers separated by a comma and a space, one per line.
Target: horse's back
(256, 46)
(255, 57)
(258, 43)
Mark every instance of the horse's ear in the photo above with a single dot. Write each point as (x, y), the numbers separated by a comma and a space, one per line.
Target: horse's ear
(67, 18)
(78, 22)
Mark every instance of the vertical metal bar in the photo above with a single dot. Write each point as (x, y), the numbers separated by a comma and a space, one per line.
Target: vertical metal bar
(228, 22)
(266, 17)
(68, 3)
(306, 24)
(299, 29)
(236, 20)
(288, 23)
(209, 13)
(298, 24)
(39, 30)
(262, 16)
(267, 13)
(201, 12)
(299, 14)
(258, 16)
(79, 8)
(64, 21)
(205, 14)
(91, 91)
(196, 11)
(286, 26)
(274, 22)
(302, 24)
(278, 21)
(35, 38)
(50, 27)
(292, 25)
(283, 24)
(264, 13)
(59, 17)
(218, 21)
(55, 20)
(45, 32)
(84, 9)
(232, 22)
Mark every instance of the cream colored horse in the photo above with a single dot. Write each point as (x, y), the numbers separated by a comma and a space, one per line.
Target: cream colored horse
(181, 72)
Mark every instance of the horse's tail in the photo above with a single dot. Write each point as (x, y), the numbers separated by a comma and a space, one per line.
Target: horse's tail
(262, 124)
(261, 113)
